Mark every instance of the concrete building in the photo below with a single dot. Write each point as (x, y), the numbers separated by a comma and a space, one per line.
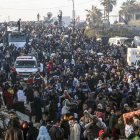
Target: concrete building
(133, 55)
(134, 18)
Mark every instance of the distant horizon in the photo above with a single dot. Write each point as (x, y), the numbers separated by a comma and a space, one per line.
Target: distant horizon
(27, 10)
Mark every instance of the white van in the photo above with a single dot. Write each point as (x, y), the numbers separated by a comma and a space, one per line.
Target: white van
(25, 66)
(117, 40)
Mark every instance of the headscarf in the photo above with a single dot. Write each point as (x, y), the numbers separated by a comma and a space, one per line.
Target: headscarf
(43, 134)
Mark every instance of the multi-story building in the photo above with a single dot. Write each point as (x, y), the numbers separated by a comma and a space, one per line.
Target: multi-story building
(134, 17)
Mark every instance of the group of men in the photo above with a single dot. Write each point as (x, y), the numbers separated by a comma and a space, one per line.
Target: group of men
(87, 86)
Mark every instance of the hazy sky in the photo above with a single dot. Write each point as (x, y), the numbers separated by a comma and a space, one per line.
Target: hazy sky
(28, 9)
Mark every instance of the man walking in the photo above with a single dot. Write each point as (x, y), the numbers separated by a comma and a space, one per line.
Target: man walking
(18, 24)
(14, 133)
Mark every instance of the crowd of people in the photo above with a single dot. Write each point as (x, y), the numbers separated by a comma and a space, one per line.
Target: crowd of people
(81, 92)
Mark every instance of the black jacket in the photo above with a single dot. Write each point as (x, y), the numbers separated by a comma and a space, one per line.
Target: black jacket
(14, 134)
(32, 134)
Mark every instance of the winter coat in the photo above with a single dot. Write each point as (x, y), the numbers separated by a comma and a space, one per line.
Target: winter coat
(38, 111)
(65, 110)
(112, 121)
(66, 127)
(14, 134)
(13, 77)
(8, 99)
(91, 132)
(32, 134)
(56, 133)
(24, 130)
(75, 132)
(43, 134)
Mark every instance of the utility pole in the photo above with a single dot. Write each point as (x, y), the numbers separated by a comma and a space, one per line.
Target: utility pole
(106, 10)
(106, 15)
(73, 14)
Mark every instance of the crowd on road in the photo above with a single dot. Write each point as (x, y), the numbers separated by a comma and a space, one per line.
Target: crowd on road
(84, 89)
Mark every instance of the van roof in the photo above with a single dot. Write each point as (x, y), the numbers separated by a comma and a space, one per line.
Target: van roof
(119, 37)
(26, 57)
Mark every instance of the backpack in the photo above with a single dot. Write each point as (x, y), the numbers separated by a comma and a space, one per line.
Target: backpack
(64, 109)
(59, 134)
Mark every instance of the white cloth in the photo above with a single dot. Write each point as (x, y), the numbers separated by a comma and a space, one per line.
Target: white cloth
(64, 109)
(41, 67)
(76, 82)
(101, 124)
(20, 96)
(73, 62)
(128, 130)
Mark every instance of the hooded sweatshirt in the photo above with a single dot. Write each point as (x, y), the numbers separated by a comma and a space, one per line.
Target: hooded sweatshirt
(43, 134)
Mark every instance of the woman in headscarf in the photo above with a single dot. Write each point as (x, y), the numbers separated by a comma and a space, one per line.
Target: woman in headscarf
(24, 128)
(43, 134)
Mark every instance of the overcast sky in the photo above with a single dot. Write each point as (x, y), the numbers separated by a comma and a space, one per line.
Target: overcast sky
(28, 9)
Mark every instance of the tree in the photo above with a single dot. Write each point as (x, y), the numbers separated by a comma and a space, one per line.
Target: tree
(109, 4)
(108, 7)
(94, 17)
(128, 8)
(48, 19)
(94, 22)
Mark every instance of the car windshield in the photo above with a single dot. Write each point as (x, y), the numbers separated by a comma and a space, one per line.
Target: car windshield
(128, 41)
(25, 64)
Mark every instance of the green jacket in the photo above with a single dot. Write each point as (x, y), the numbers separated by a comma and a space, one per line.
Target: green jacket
(135, 138)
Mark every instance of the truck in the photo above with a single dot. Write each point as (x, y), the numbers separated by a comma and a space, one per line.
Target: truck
(17, 38)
